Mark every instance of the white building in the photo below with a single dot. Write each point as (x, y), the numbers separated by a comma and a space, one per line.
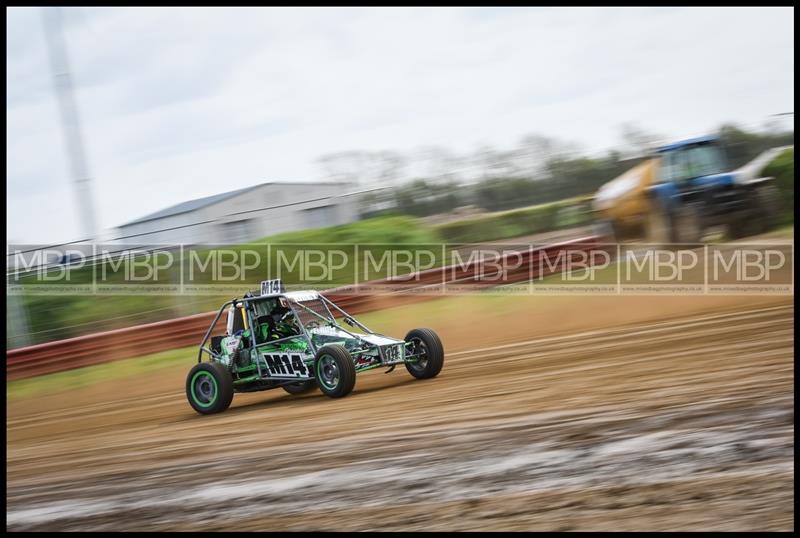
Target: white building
(247, 214)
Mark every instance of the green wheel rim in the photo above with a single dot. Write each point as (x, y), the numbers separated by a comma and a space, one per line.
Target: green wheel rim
(204, 389)
(328, 372)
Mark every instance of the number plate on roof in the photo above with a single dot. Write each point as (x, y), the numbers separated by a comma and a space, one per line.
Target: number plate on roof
(269, 287)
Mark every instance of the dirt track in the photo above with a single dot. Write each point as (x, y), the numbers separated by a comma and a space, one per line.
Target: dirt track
(685, 422)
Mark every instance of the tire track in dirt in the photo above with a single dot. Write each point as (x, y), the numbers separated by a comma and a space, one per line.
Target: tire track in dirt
(556, 343)
(701, 400)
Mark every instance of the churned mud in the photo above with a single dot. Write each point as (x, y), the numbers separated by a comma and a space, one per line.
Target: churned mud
(673, 419)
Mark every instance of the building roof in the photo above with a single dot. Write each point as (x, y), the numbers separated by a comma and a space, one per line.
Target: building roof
(193, 205)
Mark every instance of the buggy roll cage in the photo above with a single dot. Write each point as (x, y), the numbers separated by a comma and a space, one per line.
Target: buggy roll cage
(292, 302)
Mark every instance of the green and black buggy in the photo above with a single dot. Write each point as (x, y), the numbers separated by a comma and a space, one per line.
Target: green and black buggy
(293, 340)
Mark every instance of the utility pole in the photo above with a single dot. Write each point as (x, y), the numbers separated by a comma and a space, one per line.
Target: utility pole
(70, 121)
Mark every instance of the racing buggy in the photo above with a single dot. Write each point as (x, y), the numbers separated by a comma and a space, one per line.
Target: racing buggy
(297, 341)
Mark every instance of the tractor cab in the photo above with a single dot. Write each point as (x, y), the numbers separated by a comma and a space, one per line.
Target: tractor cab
(691, 163)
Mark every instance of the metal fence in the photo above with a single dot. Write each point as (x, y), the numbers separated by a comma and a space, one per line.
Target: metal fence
(366, 297)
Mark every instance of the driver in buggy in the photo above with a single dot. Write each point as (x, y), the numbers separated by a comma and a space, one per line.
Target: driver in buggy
(280, 322)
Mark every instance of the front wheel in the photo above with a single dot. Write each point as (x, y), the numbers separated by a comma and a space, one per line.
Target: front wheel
(209, 388)
(335, 371)
(426, 353)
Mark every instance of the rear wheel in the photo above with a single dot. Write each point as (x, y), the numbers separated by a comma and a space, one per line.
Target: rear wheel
(740, 228)
(688, 227)
(209, 388)
(767, 202)
(658, 227)
(761, 216)
(299, 387)
(335, 371)
(427, 352)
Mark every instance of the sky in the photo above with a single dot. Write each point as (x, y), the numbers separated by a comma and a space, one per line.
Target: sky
(177, 104)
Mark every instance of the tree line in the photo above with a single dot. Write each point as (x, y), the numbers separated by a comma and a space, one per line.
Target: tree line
(538, 170)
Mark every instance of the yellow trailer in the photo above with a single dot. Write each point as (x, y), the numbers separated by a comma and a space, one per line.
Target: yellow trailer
(624, 202)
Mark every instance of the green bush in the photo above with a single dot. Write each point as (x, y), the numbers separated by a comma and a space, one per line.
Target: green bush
(782, 169)
(393, 229)
(518, 222)
(54, 317)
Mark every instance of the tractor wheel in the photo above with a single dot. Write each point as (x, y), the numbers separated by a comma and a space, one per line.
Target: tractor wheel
(334, 370)
(299, 387)
(767, 202)
(658, 227)
(740, 228)
(688, 227)
(429, 352)
(209, 388)
(764, 204)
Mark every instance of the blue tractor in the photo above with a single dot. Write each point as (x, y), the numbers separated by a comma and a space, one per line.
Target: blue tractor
(693, 192)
